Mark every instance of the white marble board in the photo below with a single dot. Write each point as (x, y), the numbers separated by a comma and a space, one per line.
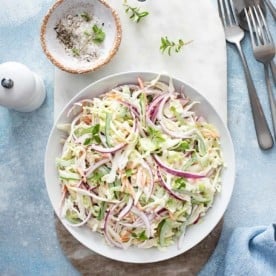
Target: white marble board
(202, 63)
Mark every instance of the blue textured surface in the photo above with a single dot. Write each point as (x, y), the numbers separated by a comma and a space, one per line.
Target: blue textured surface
(251, 251)
(28, 242)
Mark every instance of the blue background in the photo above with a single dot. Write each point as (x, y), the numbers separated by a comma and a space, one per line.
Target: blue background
(28, 242)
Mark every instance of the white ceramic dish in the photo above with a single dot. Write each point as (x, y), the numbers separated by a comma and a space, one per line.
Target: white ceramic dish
(195, 233)
(55, 51)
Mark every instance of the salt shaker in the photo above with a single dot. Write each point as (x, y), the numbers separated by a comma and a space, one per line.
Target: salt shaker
(20, 88)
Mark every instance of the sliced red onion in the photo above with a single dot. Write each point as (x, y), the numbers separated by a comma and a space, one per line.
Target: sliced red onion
(95, 166)
(81, 223)
(196, 214)
(74, 122)
(132, 107)
(153, 108)
(183, 101)
(153, 103)
(161, 211)
(78, 104)
(80, 183)
(145, 219)
(107, 230)
(137, 196)
(197, 220)
(126, 209)
(175, 172)
(151, 124)
(108, 150)
(161, 106)
(154, 114)
(169, 189)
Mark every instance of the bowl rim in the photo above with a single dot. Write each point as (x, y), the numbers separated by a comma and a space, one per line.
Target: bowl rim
(231, 173)
(97, 65)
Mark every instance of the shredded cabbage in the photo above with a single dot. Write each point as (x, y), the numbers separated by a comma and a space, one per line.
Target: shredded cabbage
(108, 172)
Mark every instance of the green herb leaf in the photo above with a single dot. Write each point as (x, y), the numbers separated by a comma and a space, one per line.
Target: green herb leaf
(117, 183)
(86, 16)
(179, 183)
(168, 45)
(182, 146)
(129, 172)
(75, 52)
(156, 135)
(134, 13)
(102, 210)
(88, 141)
(107, 128)
(141, 236)
(96, 176)
(93, 130)
(95, 133)
(98, 34)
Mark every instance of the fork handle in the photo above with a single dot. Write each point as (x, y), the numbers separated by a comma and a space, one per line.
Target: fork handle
(271, 99)
(273, 71)
(263, 133)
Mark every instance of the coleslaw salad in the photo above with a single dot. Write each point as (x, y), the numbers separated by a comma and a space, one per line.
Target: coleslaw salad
(139, 165)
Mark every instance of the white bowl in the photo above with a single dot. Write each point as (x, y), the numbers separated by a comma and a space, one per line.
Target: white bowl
(55, 51)
(195, 233)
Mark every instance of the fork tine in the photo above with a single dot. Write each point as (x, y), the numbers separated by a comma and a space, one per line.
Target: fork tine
(251, 15)
(236, 21)
(225, 12)
(228, 11)
(268, 34)
(259, 29)
(222, 12)
(249, 23)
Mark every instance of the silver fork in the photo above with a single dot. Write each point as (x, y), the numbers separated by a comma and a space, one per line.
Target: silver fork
(271, 8)
(234, 34)
(263, 49)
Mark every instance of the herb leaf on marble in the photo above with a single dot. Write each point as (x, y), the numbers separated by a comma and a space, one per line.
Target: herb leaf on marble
(134, 13)
(168, 45)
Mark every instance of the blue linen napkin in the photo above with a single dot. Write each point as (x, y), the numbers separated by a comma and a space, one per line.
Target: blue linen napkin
(251, 251)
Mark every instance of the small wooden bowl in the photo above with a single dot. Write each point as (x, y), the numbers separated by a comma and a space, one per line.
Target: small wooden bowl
(56, 52)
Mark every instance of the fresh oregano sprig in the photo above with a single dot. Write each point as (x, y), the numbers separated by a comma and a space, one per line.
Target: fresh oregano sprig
(169, 45)
(99, 34)
(96, 34)
(134, 13)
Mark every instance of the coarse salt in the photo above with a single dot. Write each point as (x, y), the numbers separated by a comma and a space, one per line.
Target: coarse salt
(74, 32)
